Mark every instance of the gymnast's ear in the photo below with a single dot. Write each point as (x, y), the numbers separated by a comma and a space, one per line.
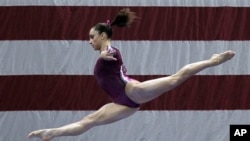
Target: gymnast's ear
(104, 36)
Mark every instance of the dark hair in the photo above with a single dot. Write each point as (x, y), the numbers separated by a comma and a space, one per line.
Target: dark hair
(123, 19)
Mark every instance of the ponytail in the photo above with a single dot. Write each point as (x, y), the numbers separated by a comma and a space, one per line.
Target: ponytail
(123, 19)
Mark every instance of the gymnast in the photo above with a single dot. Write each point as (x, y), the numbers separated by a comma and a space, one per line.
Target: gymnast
(126, 93)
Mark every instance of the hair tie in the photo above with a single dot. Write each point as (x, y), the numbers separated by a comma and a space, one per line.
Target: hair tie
(108, 22)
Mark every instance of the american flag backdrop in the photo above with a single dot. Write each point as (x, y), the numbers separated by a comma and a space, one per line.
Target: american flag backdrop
(46, 67)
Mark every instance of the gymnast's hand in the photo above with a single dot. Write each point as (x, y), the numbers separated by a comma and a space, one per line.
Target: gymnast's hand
(109, 56)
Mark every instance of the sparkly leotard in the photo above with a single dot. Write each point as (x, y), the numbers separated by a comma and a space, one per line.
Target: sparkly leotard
(111, 77)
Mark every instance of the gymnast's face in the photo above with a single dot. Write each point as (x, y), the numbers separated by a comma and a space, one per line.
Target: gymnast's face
(95, 39)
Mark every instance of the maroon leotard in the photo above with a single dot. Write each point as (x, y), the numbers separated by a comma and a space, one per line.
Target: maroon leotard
(111, 77)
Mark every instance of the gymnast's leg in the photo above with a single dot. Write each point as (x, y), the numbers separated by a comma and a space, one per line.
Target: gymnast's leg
(107, 114)
(149, 90)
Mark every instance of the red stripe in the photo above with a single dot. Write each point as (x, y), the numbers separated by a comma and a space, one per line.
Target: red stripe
(82, 93)
(155, 23)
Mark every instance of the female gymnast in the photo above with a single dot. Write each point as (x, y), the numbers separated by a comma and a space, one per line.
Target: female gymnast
(127, 94)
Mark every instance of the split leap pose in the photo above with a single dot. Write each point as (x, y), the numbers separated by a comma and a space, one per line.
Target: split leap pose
(127, 94)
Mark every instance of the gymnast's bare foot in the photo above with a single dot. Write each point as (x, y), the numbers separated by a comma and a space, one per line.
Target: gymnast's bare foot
(217, 59)
(44, 134)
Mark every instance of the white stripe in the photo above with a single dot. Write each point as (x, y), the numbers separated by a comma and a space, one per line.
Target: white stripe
(142, 126)
(140, 57)
(131, 3)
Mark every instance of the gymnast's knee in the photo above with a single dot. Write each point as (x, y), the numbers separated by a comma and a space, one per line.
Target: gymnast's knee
(176, 79)
(93, 120)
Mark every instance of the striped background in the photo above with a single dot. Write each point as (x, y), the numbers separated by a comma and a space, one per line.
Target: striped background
(46, 69)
